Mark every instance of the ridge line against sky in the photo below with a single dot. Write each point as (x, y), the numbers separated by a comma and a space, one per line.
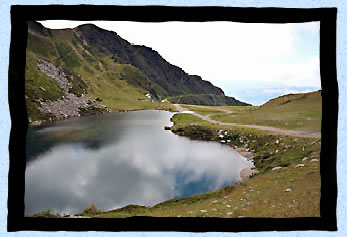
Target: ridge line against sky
(253, 62)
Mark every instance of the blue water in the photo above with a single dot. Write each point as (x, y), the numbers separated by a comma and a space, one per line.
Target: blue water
(118, 159)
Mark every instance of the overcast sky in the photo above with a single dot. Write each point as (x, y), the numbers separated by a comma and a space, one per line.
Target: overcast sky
(251, 62)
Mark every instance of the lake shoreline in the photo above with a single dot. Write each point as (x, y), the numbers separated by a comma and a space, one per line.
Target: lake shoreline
(47, 122)
(251, 145)
(248, 155)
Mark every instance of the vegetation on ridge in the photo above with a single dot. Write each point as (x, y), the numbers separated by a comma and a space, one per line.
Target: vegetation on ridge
(294, 111)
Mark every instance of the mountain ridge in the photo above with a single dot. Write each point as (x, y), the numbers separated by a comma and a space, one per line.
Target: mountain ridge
(103, 65)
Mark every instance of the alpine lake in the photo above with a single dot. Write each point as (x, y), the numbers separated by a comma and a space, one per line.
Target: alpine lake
(120, 158)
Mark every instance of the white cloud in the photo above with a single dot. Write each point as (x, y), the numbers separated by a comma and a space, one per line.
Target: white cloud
(271, 53)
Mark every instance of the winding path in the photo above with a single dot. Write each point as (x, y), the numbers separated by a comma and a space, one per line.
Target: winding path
(266, 128)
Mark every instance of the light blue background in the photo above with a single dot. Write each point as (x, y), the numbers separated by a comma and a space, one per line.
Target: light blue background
(341, 76)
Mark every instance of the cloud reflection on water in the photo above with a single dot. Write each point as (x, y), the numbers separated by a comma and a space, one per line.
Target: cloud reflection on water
(146, 166)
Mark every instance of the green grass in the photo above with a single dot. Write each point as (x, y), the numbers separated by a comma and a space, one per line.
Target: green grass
(204, 110)
(205, 99)
(35, 80)
(120, 86)
(41, 46)
(89, 58)
(68, 56)
(293, 112)
(46, 214)
(182, 117)
(87, 69)
(79, 86)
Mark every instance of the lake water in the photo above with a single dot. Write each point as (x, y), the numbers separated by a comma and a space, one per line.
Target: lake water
(118, 159)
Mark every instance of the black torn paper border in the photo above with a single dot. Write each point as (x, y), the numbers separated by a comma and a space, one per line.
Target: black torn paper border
(20, 14)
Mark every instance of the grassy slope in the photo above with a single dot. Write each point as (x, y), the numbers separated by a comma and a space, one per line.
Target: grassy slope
(220, 110)
(206, 99)
(116, 84)
(294, 112)
(35, 81)
(170, 79)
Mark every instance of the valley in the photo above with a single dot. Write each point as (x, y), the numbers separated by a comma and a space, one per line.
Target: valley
(73, 73)
(99, 64)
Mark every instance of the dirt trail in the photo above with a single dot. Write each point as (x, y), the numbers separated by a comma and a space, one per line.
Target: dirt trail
(267, 128)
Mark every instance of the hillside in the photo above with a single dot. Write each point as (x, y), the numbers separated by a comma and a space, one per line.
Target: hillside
(294, 111)
(96, 70)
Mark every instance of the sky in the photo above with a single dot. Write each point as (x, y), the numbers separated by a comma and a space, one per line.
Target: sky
(253, 62)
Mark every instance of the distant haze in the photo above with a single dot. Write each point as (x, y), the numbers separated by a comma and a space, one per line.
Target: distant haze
(251, 62)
